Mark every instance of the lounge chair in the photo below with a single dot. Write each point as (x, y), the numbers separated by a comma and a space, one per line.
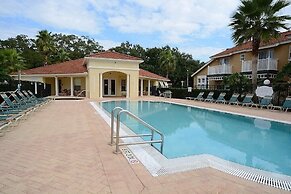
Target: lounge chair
(10, 111)
(6, 118)
(266, 102)
(27, 98)
(233, 100)
(247, 101)
(209, 97)
(36, 98)
(220, 98)
(189, 98)
(13, 107)
(199, 97)
(286, 105)
(22, 101)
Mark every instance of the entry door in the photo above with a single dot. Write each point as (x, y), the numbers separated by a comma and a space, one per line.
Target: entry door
(109, 87)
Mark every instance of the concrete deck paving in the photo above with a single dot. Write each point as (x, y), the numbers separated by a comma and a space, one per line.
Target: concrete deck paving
(63, 148)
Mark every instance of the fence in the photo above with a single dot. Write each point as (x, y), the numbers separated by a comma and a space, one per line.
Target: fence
(38, 88)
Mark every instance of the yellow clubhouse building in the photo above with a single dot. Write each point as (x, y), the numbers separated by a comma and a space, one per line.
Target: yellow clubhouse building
(273, 55)
(98, 75)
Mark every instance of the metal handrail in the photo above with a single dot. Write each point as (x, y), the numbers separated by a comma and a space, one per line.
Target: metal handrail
(117, 137)
(112, 122)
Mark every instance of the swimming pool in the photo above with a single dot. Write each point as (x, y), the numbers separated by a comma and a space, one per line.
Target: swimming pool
(253, 142)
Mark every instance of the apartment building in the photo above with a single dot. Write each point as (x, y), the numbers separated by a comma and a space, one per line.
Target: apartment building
(273, 55)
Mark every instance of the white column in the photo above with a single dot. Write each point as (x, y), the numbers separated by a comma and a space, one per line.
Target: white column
(149, 87)
(101, 85)
(56, 86)
(44, 86)
(127, 86)
(35, 87)
(72, 86)
(141, 87)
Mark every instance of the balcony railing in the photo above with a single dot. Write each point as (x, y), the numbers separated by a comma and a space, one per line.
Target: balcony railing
(220, 70)
(263, 65)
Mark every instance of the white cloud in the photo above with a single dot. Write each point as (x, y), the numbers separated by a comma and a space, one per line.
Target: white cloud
(171, 21)
(65, 14)
(176, 21)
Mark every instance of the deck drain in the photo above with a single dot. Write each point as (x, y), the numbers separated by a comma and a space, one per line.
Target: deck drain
(129, 155)
(280, 184)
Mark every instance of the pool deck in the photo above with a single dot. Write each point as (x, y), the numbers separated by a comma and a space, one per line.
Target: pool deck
(63, 148)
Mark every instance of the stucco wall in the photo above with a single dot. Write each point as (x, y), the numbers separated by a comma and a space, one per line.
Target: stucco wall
(51, 81)
(114, 69)
(281, 53)
(202, 72)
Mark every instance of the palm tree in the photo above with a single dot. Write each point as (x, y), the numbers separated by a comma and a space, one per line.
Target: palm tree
(45, 44)
(167, 61)
(62, 55)
(11, 61)
(258, 21)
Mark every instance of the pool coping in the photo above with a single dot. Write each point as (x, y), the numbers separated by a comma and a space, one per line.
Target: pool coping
(157, 164)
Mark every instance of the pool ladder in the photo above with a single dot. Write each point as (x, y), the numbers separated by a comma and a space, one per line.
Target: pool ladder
(117, 136)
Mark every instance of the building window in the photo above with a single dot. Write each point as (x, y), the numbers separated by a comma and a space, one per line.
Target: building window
(77, 84)
(123, 85)
(289, 56)
(224, 61)
(266, 54)
(242, 57)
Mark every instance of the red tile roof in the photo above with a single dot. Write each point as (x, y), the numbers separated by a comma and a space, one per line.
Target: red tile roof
(144, 73)
(114, 55)
(284, 36)
(68, 67)
(78, 66)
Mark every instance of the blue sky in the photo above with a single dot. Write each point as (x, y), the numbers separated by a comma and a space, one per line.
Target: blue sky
(196, 27)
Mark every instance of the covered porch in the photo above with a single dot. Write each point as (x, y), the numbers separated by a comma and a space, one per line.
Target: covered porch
(121, 84)
(149, 87)
(149, 83)
(67, 85)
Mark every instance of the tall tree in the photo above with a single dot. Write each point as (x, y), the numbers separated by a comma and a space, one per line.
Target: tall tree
(167, 61)
(257, 21)
(130, 49)
(45, 44)
(76, 47)
(10, 61)
(61, 55)
(26, 48)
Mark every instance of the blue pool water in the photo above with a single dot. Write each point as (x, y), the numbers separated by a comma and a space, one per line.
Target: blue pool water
(257, 143)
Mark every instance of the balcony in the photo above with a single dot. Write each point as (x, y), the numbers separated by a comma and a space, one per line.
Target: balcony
(220, 69)
(263, 65)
